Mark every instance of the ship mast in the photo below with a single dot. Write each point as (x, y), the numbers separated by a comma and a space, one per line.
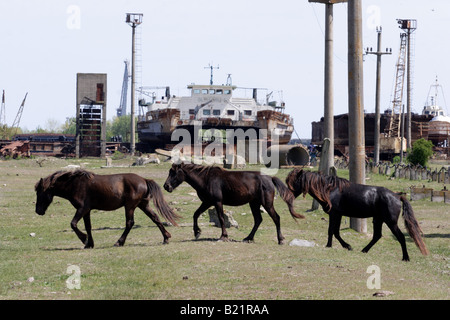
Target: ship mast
(211, 67)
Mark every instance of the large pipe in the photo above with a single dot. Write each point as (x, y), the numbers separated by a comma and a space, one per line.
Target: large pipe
(289, 155)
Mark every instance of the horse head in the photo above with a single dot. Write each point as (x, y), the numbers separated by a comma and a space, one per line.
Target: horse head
(43, 197)
(295, 183)
(175, 178)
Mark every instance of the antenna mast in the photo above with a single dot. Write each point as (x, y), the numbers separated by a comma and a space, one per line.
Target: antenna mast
(211, 67)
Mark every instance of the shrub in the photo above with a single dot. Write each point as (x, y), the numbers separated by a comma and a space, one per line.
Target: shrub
(421, 152)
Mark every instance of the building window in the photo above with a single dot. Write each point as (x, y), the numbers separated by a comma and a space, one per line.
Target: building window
(206, 112)
(230, 112)
(247, 112)
(216, 112)
(191, 111)
(204, 91)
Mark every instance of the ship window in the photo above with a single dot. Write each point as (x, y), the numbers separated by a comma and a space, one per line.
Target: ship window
(219, 91)
(227, 91)
(230, 112)
(247, 112)
(204, 91)
(196, 91)
(206, 112)
(211, 91)
(216, 112)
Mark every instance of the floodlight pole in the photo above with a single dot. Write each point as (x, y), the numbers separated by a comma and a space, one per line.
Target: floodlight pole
(133, 19)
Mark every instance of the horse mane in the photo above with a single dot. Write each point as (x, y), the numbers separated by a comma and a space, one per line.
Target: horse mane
(200, 169)
(320, 186)
(67, 176)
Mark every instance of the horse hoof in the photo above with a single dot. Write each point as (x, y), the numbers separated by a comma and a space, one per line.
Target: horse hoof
(166, 241)
(118, 244)
(248, 240)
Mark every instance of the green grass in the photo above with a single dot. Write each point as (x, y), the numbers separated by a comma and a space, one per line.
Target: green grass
(205, 269)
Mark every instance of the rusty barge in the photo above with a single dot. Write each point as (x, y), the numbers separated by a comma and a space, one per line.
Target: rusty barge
(211, 107)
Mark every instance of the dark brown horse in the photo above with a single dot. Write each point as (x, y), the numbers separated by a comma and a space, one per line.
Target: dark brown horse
(86, 191)
(217, 187)
(340, 197)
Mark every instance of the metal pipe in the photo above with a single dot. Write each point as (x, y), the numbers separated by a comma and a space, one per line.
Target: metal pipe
(289, 155)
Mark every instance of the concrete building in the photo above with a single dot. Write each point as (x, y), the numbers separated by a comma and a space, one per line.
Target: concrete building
(91, 115)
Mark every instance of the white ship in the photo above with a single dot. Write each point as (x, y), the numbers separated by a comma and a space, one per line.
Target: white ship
(211, 106)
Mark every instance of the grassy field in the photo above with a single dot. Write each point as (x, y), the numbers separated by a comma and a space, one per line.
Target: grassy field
(38, 252)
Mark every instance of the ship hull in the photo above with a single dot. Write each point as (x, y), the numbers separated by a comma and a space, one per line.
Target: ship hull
(272, 126)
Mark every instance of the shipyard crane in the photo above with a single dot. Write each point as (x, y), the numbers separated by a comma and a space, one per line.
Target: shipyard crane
(122, 110)
(395, 122)
(15, 125)
(3, 126)
(2, 111)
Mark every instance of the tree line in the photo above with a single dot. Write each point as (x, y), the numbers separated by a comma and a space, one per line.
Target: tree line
(118, 126)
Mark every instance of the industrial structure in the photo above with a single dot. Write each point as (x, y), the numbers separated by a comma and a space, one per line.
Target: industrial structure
(134, 20)
(90, 140)
(122, 110)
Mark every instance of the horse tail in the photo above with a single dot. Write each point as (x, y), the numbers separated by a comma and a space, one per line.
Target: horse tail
(158, 200)
(287, 196)
(412, 226)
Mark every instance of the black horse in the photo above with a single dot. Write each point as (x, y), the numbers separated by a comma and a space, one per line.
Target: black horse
(86, 191)
(217, 187)
(340, 197)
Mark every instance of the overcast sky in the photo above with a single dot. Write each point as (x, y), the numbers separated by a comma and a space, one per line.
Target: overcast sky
(277, 45)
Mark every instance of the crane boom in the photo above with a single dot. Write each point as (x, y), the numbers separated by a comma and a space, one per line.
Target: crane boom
(122, 110)
(16, 122)
(395, 123)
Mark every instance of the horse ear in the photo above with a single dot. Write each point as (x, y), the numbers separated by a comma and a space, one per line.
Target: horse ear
(39, 183)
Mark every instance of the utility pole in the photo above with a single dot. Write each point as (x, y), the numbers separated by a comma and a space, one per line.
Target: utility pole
(376, 137)
(328, 84)
(133, 19)
(355, 102)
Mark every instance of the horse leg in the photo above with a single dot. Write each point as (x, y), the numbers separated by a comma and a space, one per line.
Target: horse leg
(87, 226)
(335, 224)
(255, 207)
(377, 226)
(219, 209)
(197, 213)
(81, 212)
(400, 237)
(129, 216)
(154, 217)
(268, 205)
